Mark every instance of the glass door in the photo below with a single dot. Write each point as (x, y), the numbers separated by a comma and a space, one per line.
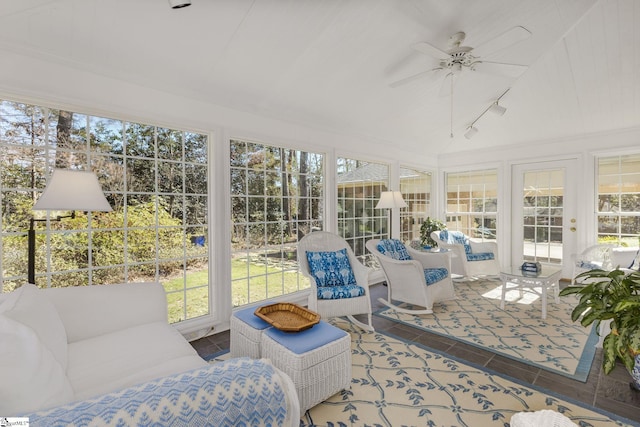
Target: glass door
(544, 213)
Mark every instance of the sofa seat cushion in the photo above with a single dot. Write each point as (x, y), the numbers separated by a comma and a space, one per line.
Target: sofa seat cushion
(120, 359)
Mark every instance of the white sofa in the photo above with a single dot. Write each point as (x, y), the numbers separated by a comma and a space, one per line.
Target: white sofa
(91, 343)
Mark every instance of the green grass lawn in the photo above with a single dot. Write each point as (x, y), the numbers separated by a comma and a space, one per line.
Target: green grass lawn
(265, 282)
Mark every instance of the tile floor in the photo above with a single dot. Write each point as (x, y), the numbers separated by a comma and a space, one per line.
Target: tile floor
(609, 392)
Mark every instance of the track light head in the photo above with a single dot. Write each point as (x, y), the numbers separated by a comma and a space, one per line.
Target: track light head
(471, 131)
(179, 4)
(497, 109)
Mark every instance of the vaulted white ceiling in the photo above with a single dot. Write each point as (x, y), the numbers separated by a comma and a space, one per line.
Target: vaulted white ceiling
(329, 64)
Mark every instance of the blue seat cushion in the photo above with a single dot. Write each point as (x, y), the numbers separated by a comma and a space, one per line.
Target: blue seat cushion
(307, 340)
(338, 292)
(458, 237)
(480, 256)
(394, 248)
(433, 275)
(247, 315)
(589, 265)
(331, 268)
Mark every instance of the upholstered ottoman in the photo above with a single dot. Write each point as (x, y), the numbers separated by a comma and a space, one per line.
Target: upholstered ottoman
(246, 330)
(318, 360)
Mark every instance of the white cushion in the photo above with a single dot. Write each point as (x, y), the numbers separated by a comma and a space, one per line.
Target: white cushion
(32, 378)
(128, 357)
(28, 305)
(544, 417)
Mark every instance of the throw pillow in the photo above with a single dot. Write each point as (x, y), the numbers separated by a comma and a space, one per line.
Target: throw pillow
(29, 306)
(635, 264)
(32, 378)
(394, 248)
(331, 268)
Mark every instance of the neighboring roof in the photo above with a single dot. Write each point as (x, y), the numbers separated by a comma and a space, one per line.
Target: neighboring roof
(372, 172)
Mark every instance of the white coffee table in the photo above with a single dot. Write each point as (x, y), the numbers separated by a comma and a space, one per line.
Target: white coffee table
(548, 277)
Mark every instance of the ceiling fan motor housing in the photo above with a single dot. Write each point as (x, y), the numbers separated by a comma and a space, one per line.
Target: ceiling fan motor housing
(459, 58)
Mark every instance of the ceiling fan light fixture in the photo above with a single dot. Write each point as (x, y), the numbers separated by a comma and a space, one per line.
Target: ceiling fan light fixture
(497, 109)
(471, 131)
(179, 4)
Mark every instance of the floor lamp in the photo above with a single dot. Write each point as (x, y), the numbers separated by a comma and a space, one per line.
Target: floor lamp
(391, 200)
(67, 190)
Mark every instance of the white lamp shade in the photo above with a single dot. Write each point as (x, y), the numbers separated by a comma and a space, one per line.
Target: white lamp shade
(497, 109)
(471, 131)
(73, 190)
(390, 200)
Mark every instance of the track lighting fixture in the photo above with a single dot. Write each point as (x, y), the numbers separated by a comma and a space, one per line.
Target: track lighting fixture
(494, 108)
(471, 131)
(178, 4)
(497, 109)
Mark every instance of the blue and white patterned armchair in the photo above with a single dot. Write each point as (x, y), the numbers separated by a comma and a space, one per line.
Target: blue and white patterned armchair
(470, 258)
(413, 277)
(340, 282)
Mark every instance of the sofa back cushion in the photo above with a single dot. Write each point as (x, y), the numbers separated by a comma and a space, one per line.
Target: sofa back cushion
(32, 378)
(89, 311)
(29, 305)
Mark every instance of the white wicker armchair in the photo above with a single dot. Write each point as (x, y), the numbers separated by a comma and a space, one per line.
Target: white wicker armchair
(594, 257)
(406, 280)
(324, 241)
(463, 263)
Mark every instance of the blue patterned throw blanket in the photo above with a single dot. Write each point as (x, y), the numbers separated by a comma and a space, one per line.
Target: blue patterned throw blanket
(235, 392)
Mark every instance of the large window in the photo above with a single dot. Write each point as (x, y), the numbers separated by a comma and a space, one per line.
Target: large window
(618, 203)
(472, 203)
(155, 180)
(360, 184)
(276, 198)
(415, 186)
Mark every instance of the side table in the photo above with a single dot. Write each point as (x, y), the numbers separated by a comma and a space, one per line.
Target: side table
(548, 277)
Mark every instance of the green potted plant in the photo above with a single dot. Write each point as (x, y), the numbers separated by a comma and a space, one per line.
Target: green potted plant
(612, 296)
(429, 225)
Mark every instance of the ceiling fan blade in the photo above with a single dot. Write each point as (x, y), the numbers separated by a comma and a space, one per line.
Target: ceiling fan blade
(508, 38)
(430, 50)
(500, 68)
(433, 73)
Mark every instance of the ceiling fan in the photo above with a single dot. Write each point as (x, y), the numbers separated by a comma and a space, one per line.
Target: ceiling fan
(459, 58)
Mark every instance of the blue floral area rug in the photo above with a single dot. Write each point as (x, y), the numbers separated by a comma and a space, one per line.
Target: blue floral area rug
(395, 383)
(518, 332)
